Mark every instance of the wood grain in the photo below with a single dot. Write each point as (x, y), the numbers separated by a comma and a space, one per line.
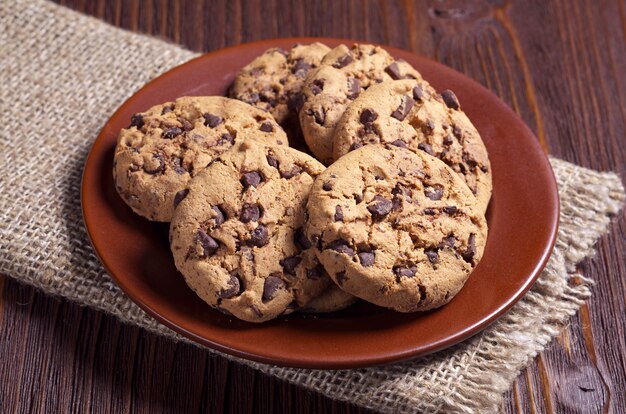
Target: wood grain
(560, 65)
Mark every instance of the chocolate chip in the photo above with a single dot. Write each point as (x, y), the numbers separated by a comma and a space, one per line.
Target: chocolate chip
(295, 170)
(341, 246)
(233, 289)
(400, 189)
(266, 127)
(260, 237)
(338, 213)
(271, 285)
(227, 137)
(358, 198)
(136, 120)
(355, 145)
(340, 278)
(172, 133)
(468, 255)
(419, 93)
(212, 121)
(368, 116)
(252, 178)
(393, 70)
(451, 210)
(471, 162)
(167, 109)
(403, 110)
(447, 242)
(450, 99)
(220, 217)
(301, 240)
(367, 258)
(256, 310)
(343, 61)
(354, 88)
(272, 161)
(289, 264)
(315, 272)
(209, 245)
(380, 207)
(447, 140)
(426, 148)
(327, 186)
(180, 196)
(398, 143)
(432, 255)
(434, 193)
(158, 168)
(300, 68)
(177, 165)
(404, 271)
(429, 211)
(317, 86)
(249, 212)
(319, 115)
(399, 193)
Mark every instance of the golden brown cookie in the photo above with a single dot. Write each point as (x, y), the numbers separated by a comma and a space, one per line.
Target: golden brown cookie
(396, 228)
(237, 237)
(426, 121)
(167, 145)
(341, 77)
(273, 81)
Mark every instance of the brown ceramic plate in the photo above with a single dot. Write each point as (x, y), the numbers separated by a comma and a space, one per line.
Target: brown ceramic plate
(523, 220)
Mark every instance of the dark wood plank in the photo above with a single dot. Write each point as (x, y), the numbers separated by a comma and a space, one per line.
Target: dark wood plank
(560, 65)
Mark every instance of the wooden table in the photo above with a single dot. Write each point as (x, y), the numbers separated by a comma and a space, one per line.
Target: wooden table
(560, 64)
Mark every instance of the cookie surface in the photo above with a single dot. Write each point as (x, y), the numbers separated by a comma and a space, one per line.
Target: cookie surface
(237, 237)
(168, 144)
(330, 300)
(426, 121)
(341, 77)
(273, 81)
(396, 228)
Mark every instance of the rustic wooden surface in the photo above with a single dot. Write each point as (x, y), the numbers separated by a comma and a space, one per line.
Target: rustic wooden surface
(560, 64)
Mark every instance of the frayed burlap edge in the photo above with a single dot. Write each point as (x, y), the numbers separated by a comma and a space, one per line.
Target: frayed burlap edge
(64, 73)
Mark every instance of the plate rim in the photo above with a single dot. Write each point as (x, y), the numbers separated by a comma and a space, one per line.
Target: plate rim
(459, 336)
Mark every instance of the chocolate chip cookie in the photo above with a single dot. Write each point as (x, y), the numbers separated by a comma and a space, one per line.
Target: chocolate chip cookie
(341, 77)
(426, 120)
(273, 81)
(396, 228)
(237, 235)
(164, 147)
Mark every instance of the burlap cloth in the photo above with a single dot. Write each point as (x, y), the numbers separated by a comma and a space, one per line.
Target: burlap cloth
(63, 74)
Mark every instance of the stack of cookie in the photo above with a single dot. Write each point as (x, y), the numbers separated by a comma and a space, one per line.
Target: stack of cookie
(260, 229)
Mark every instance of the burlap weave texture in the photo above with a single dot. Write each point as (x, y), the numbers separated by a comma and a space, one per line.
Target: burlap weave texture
(63, 74)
